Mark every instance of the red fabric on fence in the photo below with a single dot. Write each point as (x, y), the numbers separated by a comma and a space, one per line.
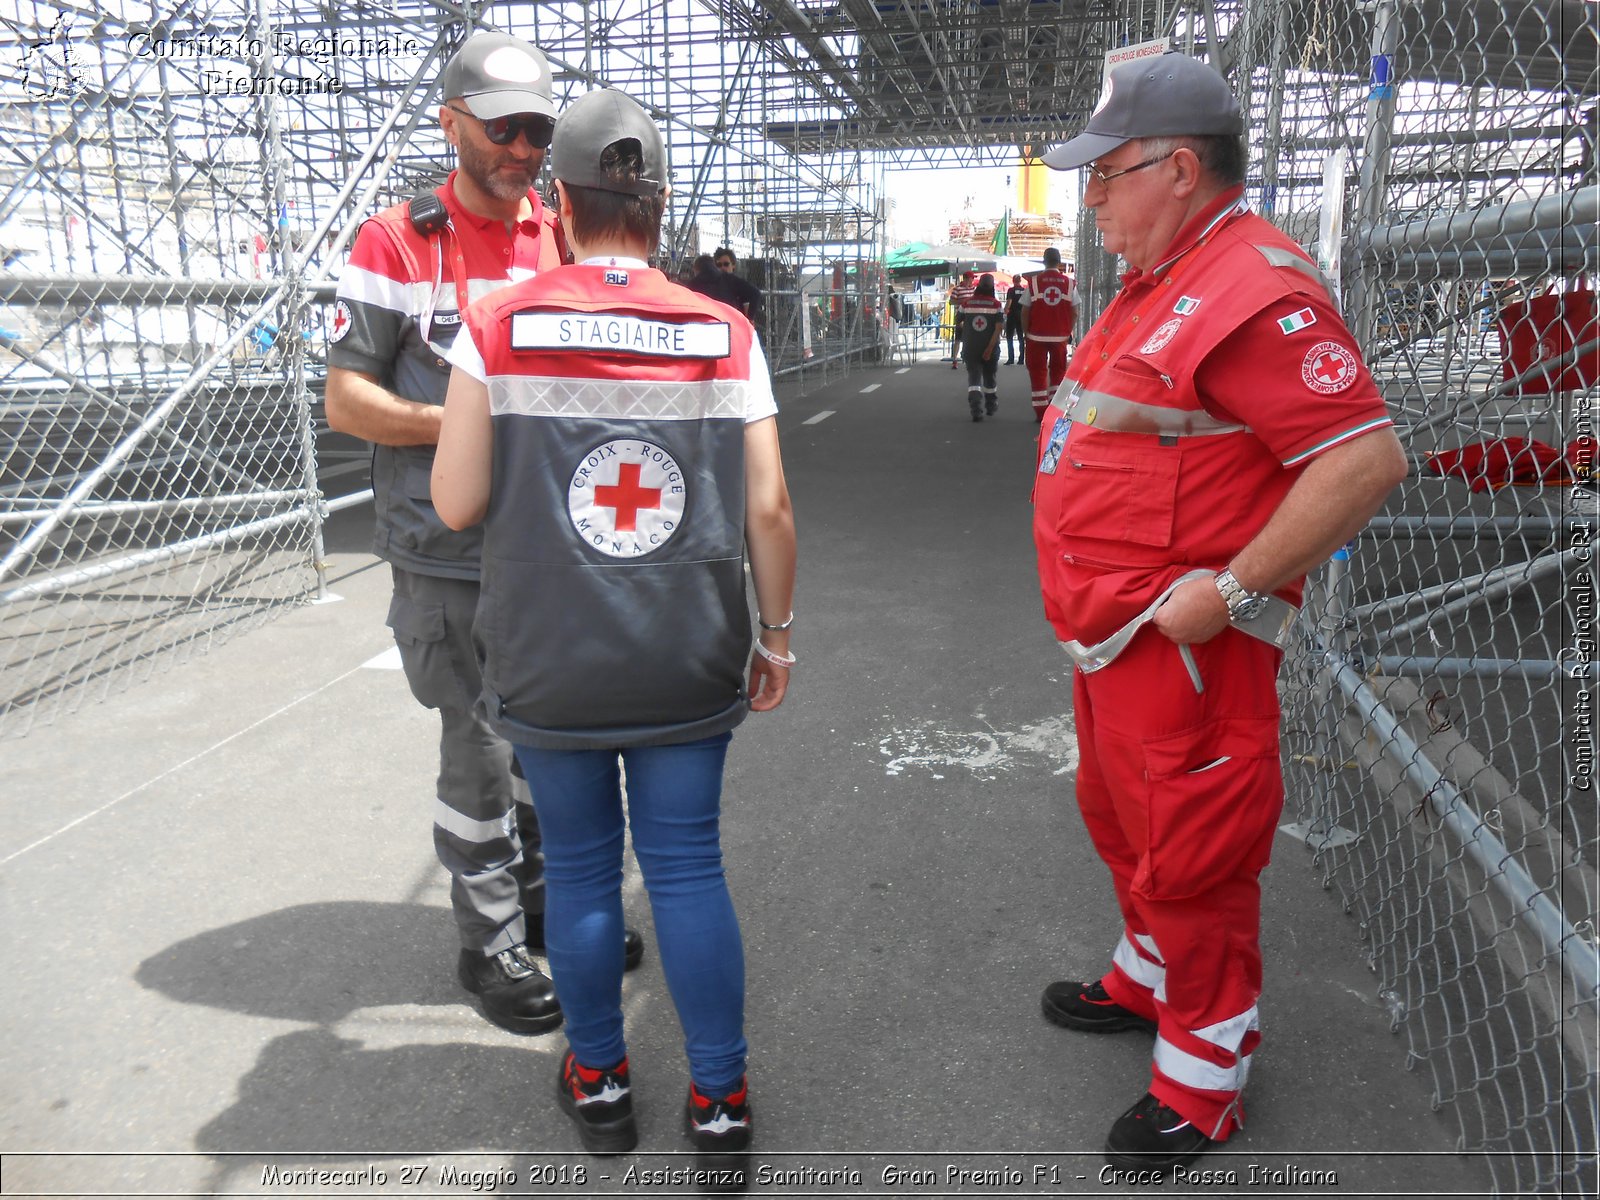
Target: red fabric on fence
(1541, 330)
(1489, 466)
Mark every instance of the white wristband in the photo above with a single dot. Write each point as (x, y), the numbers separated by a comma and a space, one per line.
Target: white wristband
(777, 660)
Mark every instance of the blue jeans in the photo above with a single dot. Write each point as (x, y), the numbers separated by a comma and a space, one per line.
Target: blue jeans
(674, 804)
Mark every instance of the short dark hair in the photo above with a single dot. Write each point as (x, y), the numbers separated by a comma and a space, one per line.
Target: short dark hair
(721, 250)
(597, 213)
(703, 263)
(1052, 257)
(1222, 156)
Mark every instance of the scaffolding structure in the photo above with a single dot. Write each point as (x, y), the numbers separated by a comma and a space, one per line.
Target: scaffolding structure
(179, 185)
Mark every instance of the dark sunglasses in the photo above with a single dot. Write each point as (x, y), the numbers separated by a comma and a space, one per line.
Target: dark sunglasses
(502, 131)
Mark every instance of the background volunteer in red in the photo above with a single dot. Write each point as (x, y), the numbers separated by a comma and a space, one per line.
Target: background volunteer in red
(1049, 316)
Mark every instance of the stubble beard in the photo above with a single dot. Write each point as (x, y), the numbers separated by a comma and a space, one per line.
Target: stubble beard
(483, 170)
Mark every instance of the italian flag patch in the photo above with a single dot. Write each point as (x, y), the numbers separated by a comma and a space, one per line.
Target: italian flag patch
(1295, 322)
(1186, 305)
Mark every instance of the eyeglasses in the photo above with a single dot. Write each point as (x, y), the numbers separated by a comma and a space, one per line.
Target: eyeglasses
(724, 264)
(502, 131)
(1104, 178)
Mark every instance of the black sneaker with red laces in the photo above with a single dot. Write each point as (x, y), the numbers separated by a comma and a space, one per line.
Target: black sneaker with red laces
(1087, 1007)
(600, 1103)
(1151, 1137)
(719, 1124)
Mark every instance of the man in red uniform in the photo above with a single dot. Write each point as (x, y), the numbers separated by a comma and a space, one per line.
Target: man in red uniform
(960, 294)
(1218, 436)
(412, 271)
(1049, 313)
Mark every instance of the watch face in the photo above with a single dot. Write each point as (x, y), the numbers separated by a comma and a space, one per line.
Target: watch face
(1249, 608)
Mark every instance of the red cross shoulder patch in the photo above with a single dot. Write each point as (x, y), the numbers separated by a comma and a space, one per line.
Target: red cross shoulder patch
(341, 321)
(1329, 368)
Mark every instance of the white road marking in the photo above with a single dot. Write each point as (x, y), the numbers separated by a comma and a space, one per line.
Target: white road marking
(902, 370)
(389, 660)
(983, 752)
(821, 416)
(871, 387)
(172, 770)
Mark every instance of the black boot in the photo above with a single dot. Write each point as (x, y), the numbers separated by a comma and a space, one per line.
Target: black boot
(515, 994)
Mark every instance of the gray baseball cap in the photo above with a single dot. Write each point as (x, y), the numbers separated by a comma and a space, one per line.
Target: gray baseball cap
(593, 122)
(1172, 95)
(498, 75)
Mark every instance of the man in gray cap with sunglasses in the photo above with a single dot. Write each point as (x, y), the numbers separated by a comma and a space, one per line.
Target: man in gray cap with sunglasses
(1217, 436)
(412, 272)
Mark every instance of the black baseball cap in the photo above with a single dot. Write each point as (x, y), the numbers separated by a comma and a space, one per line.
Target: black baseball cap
(1171, 95)
(593, 122)
(497, 75)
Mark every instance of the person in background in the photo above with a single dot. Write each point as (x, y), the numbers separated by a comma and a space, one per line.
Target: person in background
(709, 281)
(750, 301)
(615, 434)
(980, 348)
(1217, 437)
(410, 275)
(1016, 344)
(959, 295)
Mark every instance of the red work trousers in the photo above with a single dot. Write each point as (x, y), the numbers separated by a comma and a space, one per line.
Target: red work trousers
(1181, 793)
(1047, 367)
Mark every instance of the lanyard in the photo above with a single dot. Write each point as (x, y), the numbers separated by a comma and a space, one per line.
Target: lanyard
(458, 268)
(1112, 341)
(458, 264)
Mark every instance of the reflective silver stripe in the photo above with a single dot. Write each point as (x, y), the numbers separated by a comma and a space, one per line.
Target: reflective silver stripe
(1274, 625)
(671, 400)
(1191, 1071)
(1280, 257)
(1101, 654)
(1136, 966)
(466, 828)
(1229, 1035)
(1103, 411)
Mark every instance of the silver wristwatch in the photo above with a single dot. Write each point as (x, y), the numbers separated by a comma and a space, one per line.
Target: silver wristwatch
(1242, 605)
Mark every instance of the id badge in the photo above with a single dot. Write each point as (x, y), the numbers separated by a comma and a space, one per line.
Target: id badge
(1052, 451)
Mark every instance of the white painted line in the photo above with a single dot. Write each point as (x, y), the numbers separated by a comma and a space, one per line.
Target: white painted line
(821, 416)
(330, 598)
(389, 660)
(50, 837)
(902, 370)
(871, 387)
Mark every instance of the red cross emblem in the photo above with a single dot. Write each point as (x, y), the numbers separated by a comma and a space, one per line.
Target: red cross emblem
(1329, 368)
(627, 497)
(341, 321)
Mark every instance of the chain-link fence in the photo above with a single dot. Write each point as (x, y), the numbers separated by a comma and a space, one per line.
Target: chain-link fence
(1439, 158)
(157, 486)
(177, 190)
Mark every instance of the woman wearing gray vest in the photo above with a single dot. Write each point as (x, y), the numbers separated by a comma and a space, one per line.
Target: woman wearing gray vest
(615, 434)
